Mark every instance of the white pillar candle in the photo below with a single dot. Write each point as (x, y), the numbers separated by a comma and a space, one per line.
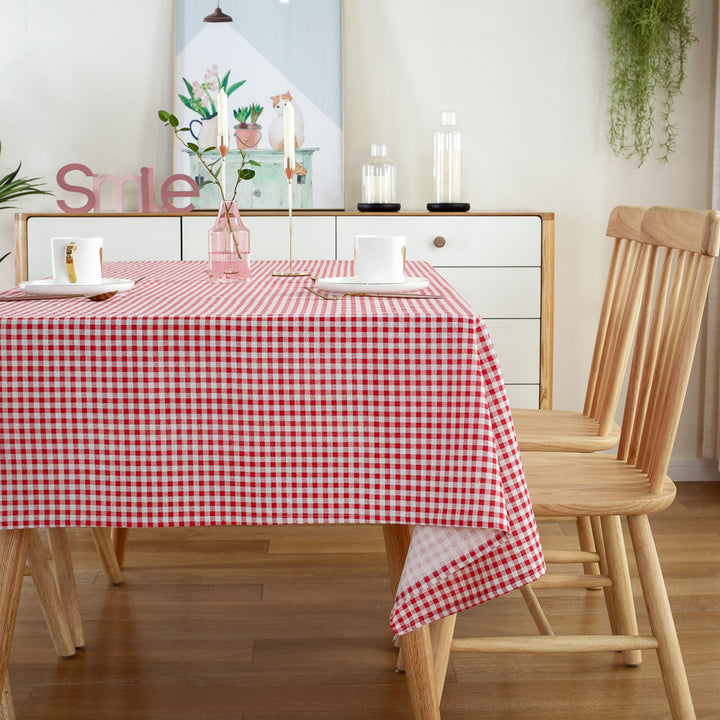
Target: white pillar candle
(289, 136)
(222, 119)
(447, 164)
(372, 189)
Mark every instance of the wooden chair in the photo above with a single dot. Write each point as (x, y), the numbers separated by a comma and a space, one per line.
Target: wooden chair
(595, 428)
(679, 255)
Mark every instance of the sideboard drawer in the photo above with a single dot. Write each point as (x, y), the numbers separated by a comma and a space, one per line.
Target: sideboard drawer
(124, 238)
(313, 237)
(465, 241)
(516, 343)
(498, 292)
(523, 396)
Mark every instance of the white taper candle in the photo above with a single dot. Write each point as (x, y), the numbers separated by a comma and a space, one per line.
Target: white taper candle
(289, 137)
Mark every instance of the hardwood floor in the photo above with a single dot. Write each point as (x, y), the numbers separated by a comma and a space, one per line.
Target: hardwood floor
(291, 623)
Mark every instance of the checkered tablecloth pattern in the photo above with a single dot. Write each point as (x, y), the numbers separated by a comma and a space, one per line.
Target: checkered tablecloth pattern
(188, 402)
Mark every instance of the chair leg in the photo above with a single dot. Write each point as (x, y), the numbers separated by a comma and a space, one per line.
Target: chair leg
(47, 590)
(119, 538)
(441, 635)
(7, 709)
(67, 587)
(588, 544)
(623, 608)
(661, 619)
(609, 599)
(536, 612)
(106, 551)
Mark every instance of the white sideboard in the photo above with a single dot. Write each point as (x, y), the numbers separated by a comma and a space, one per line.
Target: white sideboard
(501, 262)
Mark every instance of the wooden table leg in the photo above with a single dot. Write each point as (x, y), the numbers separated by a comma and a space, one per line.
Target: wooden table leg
(52, 605)
(104, 546)
(13, 555)
(7, 709)
(416, 646)
(66, 584)
(119, 538)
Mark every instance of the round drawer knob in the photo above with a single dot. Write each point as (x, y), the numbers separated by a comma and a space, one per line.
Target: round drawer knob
(439, 241)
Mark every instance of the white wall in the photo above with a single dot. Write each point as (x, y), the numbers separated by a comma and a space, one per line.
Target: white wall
(82, 82)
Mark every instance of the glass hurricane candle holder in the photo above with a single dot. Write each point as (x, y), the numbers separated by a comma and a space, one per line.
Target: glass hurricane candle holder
(448, 143)
(378, 181)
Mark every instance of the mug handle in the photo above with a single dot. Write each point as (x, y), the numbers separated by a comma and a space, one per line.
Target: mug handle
(70, 249)
(190, 125)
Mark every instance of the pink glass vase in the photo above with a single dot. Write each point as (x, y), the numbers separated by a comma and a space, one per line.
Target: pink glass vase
(229, 246)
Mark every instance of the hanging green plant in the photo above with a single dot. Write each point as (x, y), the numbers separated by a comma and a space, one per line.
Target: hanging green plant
(649, 40)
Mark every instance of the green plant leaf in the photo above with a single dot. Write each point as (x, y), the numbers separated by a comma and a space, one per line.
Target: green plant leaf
(234, 87)
(648, 50)
(164, 115)
(13, 187)
(193, 147)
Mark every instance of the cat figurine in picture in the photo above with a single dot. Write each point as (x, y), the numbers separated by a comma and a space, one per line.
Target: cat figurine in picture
(277, 127)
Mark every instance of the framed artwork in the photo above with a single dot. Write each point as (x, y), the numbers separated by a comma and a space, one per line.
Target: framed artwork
(272, 49)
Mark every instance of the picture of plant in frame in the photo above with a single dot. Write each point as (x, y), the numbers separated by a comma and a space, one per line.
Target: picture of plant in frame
(202, 96)
(276, 48)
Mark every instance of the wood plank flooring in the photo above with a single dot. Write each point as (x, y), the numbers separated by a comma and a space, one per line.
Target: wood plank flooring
(291, 624)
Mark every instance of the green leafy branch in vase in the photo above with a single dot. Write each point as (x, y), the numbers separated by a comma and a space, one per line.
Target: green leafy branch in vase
(213, 167)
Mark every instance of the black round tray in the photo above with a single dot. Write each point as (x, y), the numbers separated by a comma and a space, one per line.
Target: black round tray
(448, 207)
(378, 207)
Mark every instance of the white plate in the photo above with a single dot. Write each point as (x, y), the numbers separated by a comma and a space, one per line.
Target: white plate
(49, 287)
(350, 284)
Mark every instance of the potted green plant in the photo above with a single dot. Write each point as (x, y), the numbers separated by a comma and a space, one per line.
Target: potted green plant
(247, 134)
(648, 48)
(202, 99)
(12, 187)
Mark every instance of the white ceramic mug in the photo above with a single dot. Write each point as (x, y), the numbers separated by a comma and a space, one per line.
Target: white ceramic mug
(380, 258)
(77, 261)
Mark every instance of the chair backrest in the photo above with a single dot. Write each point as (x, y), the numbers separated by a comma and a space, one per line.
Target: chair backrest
(618, 316)
(681, 246)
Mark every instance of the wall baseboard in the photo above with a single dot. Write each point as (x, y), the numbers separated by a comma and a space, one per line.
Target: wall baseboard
(693, 470)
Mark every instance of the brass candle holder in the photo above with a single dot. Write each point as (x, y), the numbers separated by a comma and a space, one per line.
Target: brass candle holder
(223, 145)
(290, 272)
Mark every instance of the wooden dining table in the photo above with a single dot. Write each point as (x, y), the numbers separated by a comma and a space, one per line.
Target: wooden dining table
(188, 402)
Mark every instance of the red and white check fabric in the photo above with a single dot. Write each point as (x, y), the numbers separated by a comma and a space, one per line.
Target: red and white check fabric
(188, 402)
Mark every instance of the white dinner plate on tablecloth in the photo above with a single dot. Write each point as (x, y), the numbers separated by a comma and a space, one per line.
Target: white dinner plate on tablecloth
(49, 287)
(350, 284)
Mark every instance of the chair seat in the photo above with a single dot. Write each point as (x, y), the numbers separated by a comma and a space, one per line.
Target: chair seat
(561, 430)
(572, 484)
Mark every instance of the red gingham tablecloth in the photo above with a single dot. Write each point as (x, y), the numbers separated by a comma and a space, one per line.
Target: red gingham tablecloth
(188, 402)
